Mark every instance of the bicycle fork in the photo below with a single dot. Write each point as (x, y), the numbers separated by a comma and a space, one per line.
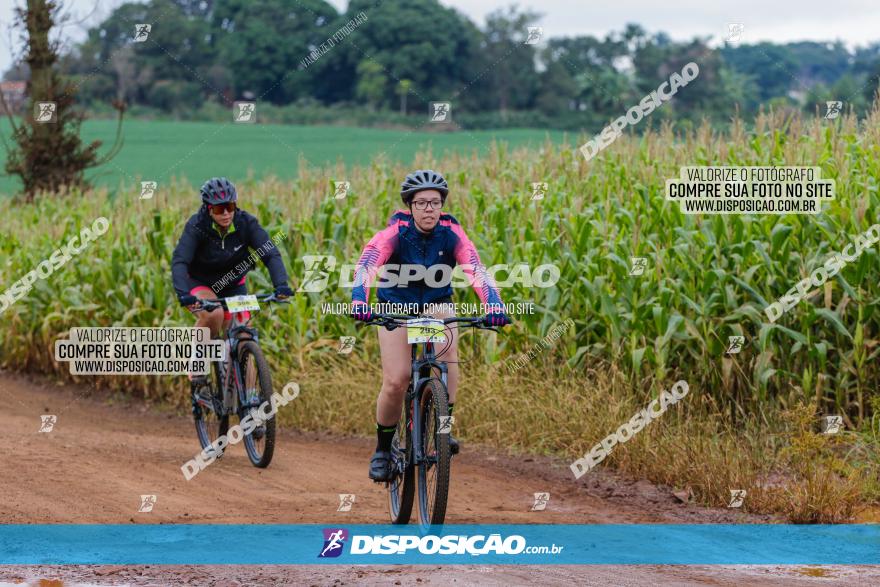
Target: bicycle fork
(230, 377)
(416, 426)
(415, 398)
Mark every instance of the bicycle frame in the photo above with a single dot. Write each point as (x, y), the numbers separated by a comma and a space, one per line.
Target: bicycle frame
(234, 375)
(426, 367)
(423, 362)
(230, 370)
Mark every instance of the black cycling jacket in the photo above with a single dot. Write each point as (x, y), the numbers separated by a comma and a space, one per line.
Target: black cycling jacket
(206, 258)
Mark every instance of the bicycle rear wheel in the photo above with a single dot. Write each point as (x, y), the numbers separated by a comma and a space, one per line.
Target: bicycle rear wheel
(435, 466)
(208, 411)
(259, 444)
(401, 489)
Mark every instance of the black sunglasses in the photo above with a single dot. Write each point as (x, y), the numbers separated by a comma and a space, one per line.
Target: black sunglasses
(220, 208)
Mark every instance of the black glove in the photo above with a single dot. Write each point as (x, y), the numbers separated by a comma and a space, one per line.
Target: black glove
(283, 291)
(188, 300)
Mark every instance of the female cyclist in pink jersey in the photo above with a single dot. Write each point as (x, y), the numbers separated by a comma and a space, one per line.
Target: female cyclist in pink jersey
(419, 236)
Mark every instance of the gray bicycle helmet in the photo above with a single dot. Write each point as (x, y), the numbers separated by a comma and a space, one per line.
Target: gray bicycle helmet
(423, 179)
(218, 190)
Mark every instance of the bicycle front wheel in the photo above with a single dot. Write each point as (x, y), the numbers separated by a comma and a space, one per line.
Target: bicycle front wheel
(259, 444)
(435, 465)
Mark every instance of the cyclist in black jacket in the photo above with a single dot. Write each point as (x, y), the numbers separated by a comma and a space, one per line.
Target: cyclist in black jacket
(212, 257)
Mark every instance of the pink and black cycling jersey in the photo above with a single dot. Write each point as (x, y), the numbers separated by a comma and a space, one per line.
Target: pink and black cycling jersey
(400, 243)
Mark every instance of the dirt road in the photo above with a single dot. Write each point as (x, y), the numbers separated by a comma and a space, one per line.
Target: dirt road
(103, 454)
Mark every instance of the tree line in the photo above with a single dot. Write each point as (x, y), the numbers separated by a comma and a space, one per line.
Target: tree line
(403, 54)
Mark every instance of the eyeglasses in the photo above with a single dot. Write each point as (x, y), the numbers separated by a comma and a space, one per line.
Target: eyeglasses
(221, 208)
(423, 204)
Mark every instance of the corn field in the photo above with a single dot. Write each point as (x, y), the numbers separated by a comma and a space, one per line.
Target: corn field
(707, 277)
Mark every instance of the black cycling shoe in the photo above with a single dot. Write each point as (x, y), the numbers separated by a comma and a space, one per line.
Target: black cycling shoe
(380, 466)
(453, 445)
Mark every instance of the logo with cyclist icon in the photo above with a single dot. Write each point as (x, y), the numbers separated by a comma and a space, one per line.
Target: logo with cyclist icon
(47, 422)
(340, 189)
(318, 268)
(445, 426)
(334, 541)
(141, 32)
(346, 500)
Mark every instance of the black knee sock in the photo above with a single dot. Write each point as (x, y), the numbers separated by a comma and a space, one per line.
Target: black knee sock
(384, 436)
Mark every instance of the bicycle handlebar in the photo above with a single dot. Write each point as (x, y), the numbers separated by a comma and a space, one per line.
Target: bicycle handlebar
(210, 305)
(395, 320)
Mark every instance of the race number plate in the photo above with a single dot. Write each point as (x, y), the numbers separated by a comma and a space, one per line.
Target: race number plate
(242, 304)
(425, 330)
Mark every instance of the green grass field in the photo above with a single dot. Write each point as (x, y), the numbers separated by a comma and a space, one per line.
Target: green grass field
(194, 151)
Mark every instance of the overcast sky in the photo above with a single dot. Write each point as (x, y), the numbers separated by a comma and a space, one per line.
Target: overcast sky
(855, 22)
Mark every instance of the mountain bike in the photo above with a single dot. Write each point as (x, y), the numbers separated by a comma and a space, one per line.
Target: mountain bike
(421, 440)
(239, 384)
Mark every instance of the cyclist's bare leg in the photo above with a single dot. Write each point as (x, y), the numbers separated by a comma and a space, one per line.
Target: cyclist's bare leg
(396, 365)
(212, 320)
